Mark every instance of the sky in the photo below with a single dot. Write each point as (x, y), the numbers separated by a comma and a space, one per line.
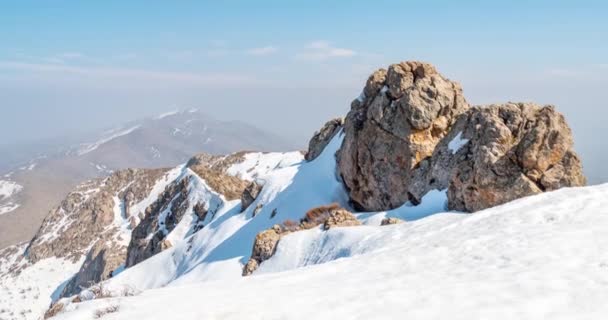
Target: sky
(288, 66)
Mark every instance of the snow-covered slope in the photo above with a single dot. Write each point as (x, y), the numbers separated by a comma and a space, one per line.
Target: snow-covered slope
(542, 257)
(164, 141)
(537, 257)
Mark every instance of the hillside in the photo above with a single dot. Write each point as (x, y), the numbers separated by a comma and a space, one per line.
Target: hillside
(163, 141)
(415, 203)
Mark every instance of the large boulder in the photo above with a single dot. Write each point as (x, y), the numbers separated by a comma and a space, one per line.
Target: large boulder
(402, 114)
(506, 152)
(321, 138)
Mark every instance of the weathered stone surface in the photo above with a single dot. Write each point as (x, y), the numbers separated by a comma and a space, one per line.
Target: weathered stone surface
(250, 194)
(514, 150)
(340, 218)
(390, 220)
(84, 215)
(100, 262)
(263, 248)
(322, 137)
(148, 238)
(229, 186)
(402, 115)
(329, 216)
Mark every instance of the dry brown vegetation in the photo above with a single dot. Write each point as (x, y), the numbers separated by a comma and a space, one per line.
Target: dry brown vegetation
(231, 187)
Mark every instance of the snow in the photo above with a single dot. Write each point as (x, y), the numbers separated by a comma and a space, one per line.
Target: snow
(260, 164)
(87, 148)
(167, 114)
(29, 294)
(542, 257)
(458, 142)
(8, 189)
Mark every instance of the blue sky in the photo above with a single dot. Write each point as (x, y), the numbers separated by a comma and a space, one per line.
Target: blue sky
(287, 66)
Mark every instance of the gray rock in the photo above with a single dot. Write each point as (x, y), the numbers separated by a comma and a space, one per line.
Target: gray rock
(322, 137)
(249, 195)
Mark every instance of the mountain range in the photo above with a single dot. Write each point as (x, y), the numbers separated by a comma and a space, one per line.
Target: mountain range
(38, 180)
(415, 204)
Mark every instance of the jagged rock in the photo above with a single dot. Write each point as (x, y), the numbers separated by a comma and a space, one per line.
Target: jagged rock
(249, 195)
(340, 218)
(100, 262)
(250, 267)
(401, 116)
(514, 150)
(54, 310)
(229, 186)
(322, 137)
(390, 220)
(89, 210)
(264, 247)
(200, 209)
(257, 210)
(148, 238)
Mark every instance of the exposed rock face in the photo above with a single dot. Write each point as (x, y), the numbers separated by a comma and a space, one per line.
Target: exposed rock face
(149, 237)
(213, 169)
(84, 215)
(390, 220)
(266, 242)
(514, 150)
(401, 116)
(340, 218)
(322, 137)
(250, 194)
(98, 266)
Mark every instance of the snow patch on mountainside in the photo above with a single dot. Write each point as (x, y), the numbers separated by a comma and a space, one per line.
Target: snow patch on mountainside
(8, 189)
(260, 164)
(87, 148)
(28, 293)
(541, 257)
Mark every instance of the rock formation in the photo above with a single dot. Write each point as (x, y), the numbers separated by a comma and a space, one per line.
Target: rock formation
(390, 220)
(265, 244)
(411, 131)
(249, 195)
(514, 150)
(83, 216)
(397, 121)
(100, 263)
(322, 137)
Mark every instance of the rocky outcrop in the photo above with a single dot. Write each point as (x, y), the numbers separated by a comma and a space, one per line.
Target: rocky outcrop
(513, 150)
(161, 217)
(85, 214)
(322, 137)
(100, 263)
(250, 194)
(390, 220)
(266, 242)
(396, 123)
(212, 170)
(411, 131)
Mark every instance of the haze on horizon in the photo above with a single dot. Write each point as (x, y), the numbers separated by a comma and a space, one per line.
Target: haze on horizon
(71, 67)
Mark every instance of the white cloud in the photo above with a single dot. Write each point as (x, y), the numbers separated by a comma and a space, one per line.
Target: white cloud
(104, 73)
(323, 50)
(262, 51)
